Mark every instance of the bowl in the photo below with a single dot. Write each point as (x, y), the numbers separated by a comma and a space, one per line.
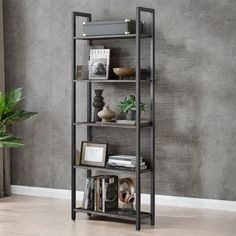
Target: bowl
(124, 71)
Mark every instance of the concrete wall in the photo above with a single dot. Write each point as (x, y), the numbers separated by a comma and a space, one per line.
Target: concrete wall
(195, 103)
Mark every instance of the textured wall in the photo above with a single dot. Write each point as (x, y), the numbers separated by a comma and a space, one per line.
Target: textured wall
(196, 91)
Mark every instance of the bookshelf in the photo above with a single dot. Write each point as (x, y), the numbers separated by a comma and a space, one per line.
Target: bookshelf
(137, 216)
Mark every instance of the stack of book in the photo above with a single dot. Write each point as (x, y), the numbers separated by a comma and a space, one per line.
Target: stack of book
(125, 162)
(101, 193)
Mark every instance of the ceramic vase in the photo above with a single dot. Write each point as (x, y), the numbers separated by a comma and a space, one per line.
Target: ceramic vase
(98, 104)
(106, 114)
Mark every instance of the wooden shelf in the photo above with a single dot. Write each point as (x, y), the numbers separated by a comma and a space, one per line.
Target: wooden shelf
(116, 214)
(110, 169)
(118, 36)
(110, 80)
(113, 125)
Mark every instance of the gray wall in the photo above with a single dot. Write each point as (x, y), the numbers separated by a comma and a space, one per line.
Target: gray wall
(196, 92)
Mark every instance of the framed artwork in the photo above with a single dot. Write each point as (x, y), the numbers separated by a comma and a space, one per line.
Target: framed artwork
(99, 61)
(93, 154)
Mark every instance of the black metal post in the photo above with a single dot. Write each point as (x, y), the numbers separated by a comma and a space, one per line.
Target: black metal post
(138, 74)
(89, 93)
(152, 114)
(73, 120)
(152, 95)
(73, 112)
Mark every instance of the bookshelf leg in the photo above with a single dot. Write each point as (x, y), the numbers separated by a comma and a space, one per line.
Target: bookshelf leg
(152, 220)
(73, 215)
(138, 226)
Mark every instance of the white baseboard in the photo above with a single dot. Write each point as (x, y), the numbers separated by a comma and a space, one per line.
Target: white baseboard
(145, 198)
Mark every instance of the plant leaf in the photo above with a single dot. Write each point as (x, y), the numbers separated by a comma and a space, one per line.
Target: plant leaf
(12, 99)
(21, 116)
(16, 117)
(8, 140)
(2, 104)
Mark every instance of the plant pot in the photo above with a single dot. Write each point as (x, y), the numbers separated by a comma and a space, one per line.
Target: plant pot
(131, 115)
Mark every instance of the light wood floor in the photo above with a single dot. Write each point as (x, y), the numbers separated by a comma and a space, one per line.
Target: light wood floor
(35, 216)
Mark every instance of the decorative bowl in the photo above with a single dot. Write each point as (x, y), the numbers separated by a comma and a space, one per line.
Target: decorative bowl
(124, 71)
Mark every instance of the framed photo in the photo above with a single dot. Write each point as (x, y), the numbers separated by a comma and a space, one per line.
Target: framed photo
(99, 63)
(93, 154)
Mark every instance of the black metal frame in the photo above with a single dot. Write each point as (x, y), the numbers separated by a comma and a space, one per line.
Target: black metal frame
(137, 36)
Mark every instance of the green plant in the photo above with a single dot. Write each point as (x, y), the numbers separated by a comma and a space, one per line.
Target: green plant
(9, 116)
(129, 104)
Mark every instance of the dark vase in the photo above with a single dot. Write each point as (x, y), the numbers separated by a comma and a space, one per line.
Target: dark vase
(131, 115)
(98, 104)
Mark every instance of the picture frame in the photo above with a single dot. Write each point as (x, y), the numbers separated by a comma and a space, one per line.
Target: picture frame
(93, 154)
(99, 63)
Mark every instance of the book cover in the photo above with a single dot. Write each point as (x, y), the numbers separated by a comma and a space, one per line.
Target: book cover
(99, 61)
(85, 194)
(109, 192)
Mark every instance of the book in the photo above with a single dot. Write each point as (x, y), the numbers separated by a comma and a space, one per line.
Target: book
(91, 194)
(109, 196)
(108, 166)
(98, 193)
(85, 197)
(99, 61)
(101, 193)
(124, 157)
(123, 162)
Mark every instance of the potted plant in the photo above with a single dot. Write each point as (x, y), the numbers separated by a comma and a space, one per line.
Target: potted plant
(9, 116)
(128, 106)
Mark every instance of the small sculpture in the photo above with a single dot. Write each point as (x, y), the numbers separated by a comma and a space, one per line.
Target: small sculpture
(98, 104)
(106, 114)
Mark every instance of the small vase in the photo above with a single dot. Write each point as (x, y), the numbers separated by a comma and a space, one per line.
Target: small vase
(131, 115)
(106, 114)
(98, 104)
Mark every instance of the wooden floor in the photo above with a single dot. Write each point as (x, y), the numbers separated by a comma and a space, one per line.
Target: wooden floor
(35, 216)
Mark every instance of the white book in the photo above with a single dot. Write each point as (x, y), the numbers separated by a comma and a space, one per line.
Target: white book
(99, 63)
(122, 162)
(125, 165)
(124, 157)
(85, 193)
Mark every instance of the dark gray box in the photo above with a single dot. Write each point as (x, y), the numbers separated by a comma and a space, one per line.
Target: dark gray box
(95, 28)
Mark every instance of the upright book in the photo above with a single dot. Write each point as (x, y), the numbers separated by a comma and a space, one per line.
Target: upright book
(109, 192)
(99, 61)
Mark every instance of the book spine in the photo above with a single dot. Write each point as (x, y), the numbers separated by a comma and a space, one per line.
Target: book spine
(85, 193)
(143, 167)
(103, 194)
(117, 162)
(98, 194)
(90, 202)
(87, 196)
(95, 194)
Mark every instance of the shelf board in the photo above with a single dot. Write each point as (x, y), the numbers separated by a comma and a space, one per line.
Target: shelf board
(112, 125)
(117, 36)
(109, 80)
(116, 214)
(109, 169)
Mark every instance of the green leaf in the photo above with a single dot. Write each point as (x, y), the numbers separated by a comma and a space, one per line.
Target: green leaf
(12, 99)
(20, 116)
(16, 117)
(8, 140)
(5, 135)
(2, 103)
(129, 103)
